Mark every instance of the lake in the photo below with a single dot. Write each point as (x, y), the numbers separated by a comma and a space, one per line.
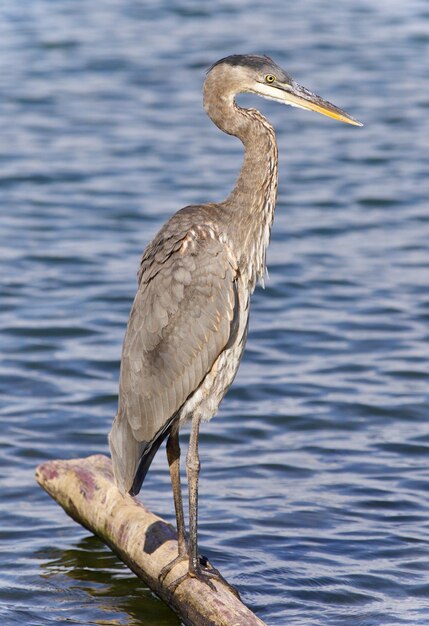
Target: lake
(315, 473)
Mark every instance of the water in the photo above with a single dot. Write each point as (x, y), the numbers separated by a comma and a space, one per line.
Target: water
(314, 494)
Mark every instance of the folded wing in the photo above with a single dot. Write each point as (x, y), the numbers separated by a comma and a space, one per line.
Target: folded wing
(181, 320)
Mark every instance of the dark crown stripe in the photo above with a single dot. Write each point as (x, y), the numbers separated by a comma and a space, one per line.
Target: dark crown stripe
(249, 60)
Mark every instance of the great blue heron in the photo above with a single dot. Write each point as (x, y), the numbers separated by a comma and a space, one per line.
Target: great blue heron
(188, 324)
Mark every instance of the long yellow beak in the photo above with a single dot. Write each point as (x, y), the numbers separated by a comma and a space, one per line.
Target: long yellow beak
(298, 96)
(293, 94)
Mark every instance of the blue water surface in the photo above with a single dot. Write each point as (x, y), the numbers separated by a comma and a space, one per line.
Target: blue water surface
(315, 478)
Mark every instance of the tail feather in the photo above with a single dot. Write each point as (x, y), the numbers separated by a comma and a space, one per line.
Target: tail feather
(126, 452)
(147, 455)
(131, 459)
(145, 462)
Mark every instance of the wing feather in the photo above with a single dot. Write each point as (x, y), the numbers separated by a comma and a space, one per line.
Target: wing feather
(179, 324)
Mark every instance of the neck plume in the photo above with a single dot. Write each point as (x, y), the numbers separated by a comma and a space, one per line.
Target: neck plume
(249, 208)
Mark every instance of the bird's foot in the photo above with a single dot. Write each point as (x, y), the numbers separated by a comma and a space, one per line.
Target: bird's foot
(212, 572)
(167, 568)
(204, 572)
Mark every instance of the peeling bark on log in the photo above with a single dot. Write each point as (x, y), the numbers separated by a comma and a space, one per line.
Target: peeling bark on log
(146, 543)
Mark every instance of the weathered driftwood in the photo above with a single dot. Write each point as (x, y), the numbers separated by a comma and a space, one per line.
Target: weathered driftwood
(146, 543)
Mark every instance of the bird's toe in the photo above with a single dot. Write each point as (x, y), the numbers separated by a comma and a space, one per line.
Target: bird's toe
(167, 568)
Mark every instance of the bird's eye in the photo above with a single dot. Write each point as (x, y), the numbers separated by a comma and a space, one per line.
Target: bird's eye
(270, 78)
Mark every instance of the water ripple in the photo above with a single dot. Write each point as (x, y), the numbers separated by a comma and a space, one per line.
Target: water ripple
(315, 472)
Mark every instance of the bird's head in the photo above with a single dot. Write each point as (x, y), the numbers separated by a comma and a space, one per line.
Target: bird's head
(260, 75)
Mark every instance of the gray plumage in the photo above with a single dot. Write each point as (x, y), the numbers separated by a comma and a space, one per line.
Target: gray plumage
(188, 324)
(181, 322)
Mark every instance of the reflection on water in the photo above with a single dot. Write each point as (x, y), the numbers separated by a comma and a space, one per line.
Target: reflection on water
(95, 572)
(314, 490)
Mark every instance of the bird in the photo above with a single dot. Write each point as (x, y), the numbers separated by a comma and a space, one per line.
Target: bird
(189, 320)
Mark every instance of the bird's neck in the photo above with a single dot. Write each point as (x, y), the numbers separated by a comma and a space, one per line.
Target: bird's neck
(250, 206)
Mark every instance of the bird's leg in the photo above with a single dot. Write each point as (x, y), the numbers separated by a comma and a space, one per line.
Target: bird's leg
(198, 566)
(193, 472)
(173, 456)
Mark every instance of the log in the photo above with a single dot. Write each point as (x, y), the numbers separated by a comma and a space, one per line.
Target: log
(86, 490)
